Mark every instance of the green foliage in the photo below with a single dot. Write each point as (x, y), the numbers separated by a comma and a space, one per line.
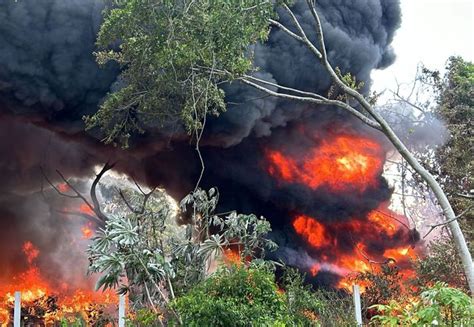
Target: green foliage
(308, 307)
(236, 296)
(452, 163)
(303, 306)
(249, 296)
(143, 318)
(349, 80)
(79, 322)
(455, 158)
(159, 259)
(439, 305)
(381, 285)
(174, 54)
(435, 268)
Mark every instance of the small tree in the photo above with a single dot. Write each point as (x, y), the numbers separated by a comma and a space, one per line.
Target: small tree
(235, 297)
(141, 253)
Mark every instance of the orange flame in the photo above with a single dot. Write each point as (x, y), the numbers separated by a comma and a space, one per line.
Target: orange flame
(87, 231)
(346, 162)
(344, 261)
(34, 287)
(231, 256)
(311, 229)
(30, 251)
(84, 208)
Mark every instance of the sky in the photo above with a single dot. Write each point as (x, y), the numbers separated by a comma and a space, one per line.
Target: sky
(431, 32)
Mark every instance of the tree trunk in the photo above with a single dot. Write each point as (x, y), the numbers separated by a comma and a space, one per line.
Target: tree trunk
(443, 201)
(450, 216)
(383, 126)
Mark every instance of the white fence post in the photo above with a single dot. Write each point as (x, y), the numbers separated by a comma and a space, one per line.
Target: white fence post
(357, 307)
(17, 310)
(121, 319)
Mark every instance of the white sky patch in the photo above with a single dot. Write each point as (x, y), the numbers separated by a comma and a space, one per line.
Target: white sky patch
(431, 32)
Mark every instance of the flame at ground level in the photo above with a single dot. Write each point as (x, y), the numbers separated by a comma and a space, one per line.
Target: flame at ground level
(49, 301)
(359, 244)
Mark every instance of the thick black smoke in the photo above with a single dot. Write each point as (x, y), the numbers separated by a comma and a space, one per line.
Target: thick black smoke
(47, 65)
(49, 80)
(358, 36)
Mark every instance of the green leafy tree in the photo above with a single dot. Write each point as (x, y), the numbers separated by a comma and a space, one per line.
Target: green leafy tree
(141, 253)
(171, 52)
(455, 163)
(435, 268)
(309, 307)
(381, 285)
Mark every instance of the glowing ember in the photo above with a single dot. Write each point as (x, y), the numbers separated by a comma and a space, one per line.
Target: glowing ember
(87, 231)
(346, 162)
(84, 208)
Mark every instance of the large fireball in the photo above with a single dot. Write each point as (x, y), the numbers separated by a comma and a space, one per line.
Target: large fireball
(346, 162)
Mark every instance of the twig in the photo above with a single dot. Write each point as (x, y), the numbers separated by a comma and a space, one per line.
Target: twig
(432, 227)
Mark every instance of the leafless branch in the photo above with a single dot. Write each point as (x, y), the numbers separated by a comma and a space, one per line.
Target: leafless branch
(93, 192)
(146, 196)
(433, 227)
(45, 176)
(465, 196)
(319, 100)
(91, 218)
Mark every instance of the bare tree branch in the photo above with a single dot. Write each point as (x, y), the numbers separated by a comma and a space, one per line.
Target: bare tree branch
(322, 101)
(146, 196)
(93, 192)
(432, 227)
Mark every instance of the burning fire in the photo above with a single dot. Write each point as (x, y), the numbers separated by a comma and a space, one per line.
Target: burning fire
(30, 251)
(84, 208)
(47, 302)
(346, 164)
(87, 230)
(343, 163)
(330, 241)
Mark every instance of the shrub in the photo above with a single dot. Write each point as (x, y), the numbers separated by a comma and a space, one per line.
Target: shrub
(438, 305)
(235, 296)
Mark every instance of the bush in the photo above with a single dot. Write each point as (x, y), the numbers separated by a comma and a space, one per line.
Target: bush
(249, 296)
(235, 296)
(435, 268)
(316, 308)
(439, 305)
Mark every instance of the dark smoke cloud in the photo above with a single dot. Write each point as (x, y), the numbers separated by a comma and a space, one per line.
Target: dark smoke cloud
(48, 77)
(46, 61)
(358, 36)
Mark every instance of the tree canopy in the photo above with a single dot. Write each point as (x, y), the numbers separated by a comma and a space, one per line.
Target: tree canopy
(455, 163)
(172, 55)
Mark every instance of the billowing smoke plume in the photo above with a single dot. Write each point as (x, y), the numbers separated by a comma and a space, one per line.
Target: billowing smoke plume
(358, 36)
(47, 65)
(49, 80)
